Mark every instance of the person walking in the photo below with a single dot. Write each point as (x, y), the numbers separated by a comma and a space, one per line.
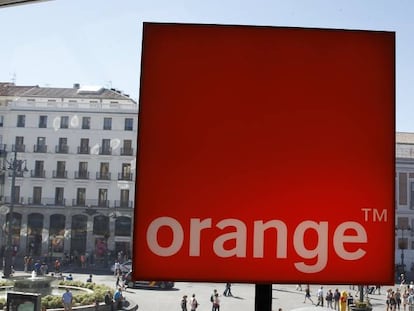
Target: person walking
(184, 303)
(307, 294)
(227, 290)
(193, 303)
(320, 296)
(67, 300)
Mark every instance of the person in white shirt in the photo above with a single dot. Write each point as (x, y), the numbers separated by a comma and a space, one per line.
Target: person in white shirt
(193, 303)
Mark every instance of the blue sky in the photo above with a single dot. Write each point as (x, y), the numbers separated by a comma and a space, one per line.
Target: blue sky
(98, 42)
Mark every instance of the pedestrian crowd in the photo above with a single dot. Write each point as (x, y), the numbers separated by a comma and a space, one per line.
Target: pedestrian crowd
(192, 304)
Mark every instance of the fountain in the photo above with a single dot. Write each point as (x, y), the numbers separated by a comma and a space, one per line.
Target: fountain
(33, 284)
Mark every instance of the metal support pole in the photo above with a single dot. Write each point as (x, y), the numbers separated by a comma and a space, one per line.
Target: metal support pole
(7, 270)
(263, 297)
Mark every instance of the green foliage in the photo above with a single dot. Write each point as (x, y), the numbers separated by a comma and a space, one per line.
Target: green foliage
(80, 299)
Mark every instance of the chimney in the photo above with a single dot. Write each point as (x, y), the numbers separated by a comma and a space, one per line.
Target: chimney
(76, 85)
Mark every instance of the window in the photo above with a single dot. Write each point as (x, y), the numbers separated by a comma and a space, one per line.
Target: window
(39, 169)
(101, 225)
(106, 146)
(126, 172)
(16, 197)
(104, 170)
(103, 197)
(107, 125)
(37, 195)
(41, 145)
(84, 146)
(129, 124)
(63, 145)
(21, 120)
(42, 121)
(19, 144)
(86, 123)
(1, 121)
(59, 196)
(123, 226)
(127, 147)
(124, 198)
(64, 122)
(61, 169)
(83, 170)
(81, 196)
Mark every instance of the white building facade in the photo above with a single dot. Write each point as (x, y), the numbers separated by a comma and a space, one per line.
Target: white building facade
(78, 145)
(404, 197)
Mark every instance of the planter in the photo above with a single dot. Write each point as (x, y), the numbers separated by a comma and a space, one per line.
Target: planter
(361, 308)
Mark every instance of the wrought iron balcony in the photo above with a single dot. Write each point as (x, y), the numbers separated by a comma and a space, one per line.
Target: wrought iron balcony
(62, 149)
(40, 148)
(125, 176)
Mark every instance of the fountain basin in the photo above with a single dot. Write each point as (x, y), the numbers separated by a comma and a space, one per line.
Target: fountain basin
(33, 284)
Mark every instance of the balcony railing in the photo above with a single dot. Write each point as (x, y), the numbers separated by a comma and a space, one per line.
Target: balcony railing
(37, 173)
(19, 148)
(84, 150)
(105, 151)
(127, 151)
(18, 174)
(103, 176)
(81, 175)
(90, 203)
(46, 201)
(40, 148)
(53, 202)
(123, 204)
(3, 149)
(60, 174)
(7, 200)
(125, 176)
(62, 149)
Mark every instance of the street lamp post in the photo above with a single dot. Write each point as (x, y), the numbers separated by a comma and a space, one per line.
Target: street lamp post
(15, 166)
(402, 246)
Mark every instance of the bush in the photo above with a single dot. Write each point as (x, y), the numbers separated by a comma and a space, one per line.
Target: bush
(81, 299)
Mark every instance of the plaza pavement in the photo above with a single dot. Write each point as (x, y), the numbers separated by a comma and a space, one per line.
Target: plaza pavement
(284, 296)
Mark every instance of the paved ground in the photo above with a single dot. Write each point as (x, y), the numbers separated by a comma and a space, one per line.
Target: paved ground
(284, 296)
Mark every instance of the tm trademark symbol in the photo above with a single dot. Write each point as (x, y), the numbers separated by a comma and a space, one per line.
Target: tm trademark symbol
(374, 214)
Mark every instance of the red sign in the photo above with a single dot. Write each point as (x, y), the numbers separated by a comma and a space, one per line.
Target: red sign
(266, 154)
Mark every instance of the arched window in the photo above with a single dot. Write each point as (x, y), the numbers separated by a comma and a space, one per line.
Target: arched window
(34, 234)
(123, 226)
(57, 234)
(101, 225)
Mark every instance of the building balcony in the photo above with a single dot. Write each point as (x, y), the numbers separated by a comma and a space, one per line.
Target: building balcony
(81, 175)
(19, 200)
(103, 176)
(46, 201)
(127, 151)
(62, 149)
(90, 203)
(19, 148)
(60, 174)
(125, 176)
(123, 204)
(40, 148)
(37, 173)
(3, 150)
(84, 150)
(18, 173)
(105, 151)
